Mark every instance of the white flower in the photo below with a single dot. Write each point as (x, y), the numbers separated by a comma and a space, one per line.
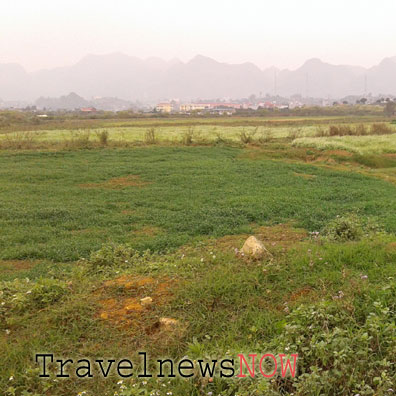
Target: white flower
(120, 382)
(11, 378)
(7, 331)
(202, 259)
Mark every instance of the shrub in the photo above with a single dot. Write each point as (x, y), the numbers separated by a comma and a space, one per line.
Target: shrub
(265, 136)
(350, 228)
(247, 137)
(294, 133)
(338, 352)
(361, 130)
(381, 129)
(113, 256)
(103, 137)
(22, 295)
(79, 139)
(188, 136)
(19, 140)
(150, 136)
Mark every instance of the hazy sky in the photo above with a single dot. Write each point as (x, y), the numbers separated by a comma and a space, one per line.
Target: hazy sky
(48, 33)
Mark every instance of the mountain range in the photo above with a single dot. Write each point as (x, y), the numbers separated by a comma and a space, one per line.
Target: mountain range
(153, 79)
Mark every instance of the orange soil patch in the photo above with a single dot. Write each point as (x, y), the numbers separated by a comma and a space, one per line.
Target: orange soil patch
(117, 183)
(339, 153)
(273, 237)
(16, 265)
(121, 303)
(300, 294)
(128, 212)
(391, 247)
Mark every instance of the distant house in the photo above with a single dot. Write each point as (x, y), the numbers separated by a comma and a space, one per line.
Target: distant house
(88, 109)
(222, 110)
(165, 107)
(209, 106)
(194, 107)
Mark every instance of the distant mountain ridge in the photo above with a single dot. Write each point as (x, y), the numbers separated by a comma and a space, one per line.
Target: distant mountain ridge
(131, 78)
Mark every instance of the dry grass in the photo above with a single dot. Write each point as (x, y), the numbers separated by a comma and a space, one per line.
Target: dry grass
(354, 130)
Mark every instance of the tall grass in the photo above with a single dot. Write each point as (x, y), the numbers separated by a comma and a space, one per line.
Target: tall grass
(355, 130)
(150, 136)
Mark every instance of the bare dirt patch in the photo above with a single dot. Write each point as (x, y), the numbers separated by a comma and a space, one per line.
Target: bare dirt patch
(301, 294)
(124, 301)
(391, 247)
(340, 153)
(117, 183)
(128, 212)
(281, 236)
(10, 266)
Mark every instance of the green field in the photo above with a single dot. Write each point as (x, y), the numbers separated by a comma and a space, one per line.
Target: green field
(87, 231)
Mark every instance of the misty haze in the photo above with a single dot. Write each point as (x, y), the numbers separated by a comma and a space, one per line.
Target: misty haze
(153, 79)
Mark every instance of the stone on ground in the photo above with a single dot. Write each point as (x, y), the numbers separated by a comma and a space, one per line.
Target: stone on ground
(254, 248)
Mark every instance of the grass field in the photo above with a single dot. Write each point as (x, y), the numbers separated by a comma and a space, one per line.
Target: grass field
(354, 144)
(85, 234)
(61, 206)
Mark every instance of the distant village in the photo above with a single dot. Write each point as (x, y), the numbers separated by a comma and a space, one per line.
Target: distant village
(268, 103)
(222, 106)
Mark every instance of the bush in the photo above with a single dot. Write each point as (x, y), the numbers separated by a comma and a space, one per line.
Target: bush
(150, 136)
(294, 133)
(266, 136)
(338, 353)
(247, 137)
(23, 295)
(79, 139)
(381, 129)
(188, 136)
(350, 228)
(103, 137)
(113, 256)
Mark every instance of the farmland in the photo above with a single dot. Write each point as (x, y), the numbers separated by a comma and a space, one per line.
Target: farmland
(97, 215)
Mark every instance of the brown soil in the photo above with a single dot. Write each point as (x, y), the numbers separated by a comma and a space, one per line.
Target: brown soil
(339, 153)
(273, 237)
(128, 212)
(120, 301)
(391, 247)
(16, 265)
(300, 294)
